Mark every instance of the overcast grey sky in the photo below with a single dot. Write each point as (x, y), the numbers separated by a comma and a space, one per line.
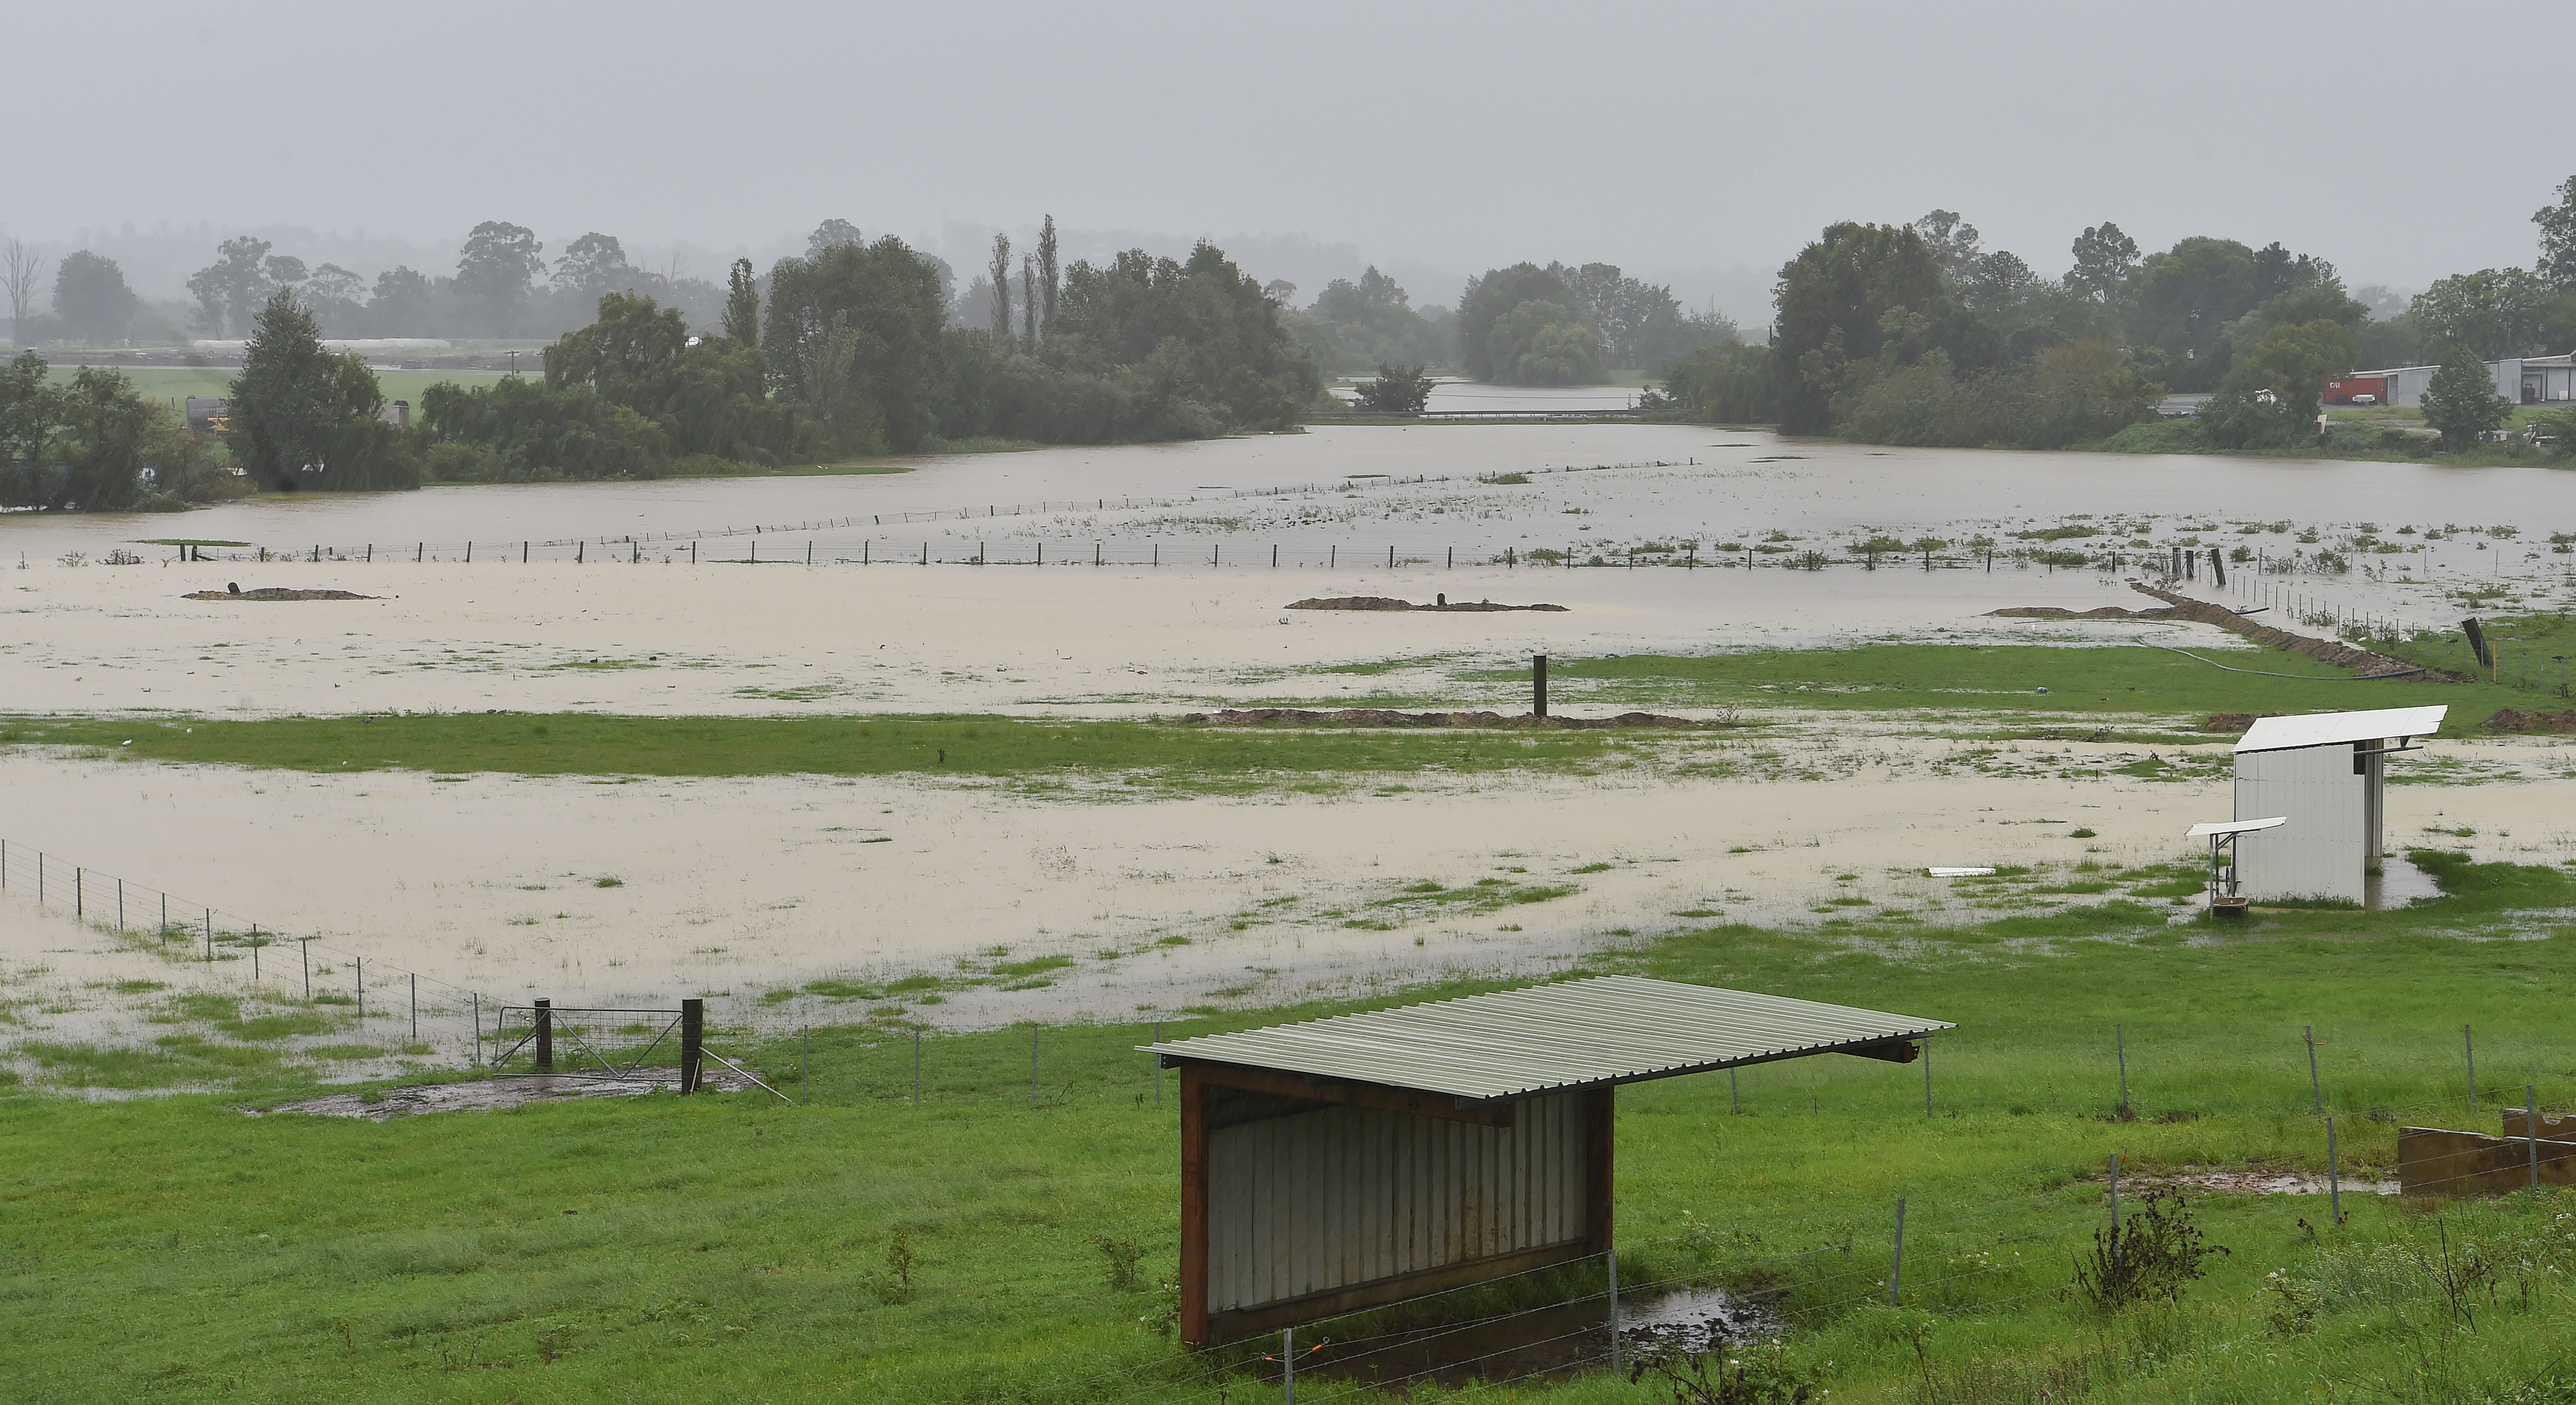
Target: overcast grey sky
(2403, 142)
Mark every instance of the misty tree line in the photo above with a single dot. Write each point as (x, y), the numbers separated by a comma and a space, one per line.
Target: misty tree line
(1918, 334)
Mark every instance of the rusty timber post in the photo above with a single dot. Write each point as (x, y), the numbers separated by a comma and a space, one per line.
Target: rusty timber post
(545, 1036)
(1538, 685)
(1194, 1208)
(693, 1043)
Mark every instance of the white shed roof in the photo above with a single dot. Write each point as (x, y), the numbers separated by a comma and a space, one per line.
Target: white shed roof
(2341, 728)
(2204, 831)
(1573, 1034)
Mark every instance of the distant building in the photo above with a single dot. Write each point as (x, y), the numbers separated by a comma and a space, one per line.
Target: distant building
(2524, 380)
(209, 415)
(396, 413)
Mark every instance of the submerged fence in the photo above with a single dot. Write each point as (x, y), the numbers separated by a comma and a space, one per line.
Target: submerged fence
(418, 1015)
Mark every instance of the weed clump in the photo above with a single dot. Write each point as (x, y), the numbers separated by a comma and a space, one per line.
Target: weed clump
(2152, 1255)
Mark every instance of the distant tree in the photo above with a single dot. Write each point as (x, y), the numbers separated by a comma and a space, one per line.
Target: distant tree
(283, 271)
(1398, 390)
(494, 272)
(303, 417)
(707, 397)
(1029, 301)
(2271, 393)
(1860, 293)
(2461, 401)
(742, 304)
(2186, 296)
(2493, 312)
(1195, 345)
(332, 293)
(1000, 276)
(1050, 276)
(1953, 242)
(1491, 296)
(853, 337)
(20, 268)
(1728, 384)
(831, 234)
(592, 267)
(404, 304)
(1354, 326)
(2558, 239)
(1544, 343)
(29, 406)
(2105, 259)
(91, 298)
(230, 290)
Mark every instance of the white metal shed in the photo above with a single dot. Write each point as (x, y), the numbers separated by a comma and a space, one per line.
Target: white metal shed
(2326, 773)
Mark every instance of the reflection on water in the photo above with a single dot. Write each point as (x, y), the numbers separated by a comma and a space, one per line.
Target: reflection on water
(1464, 397)
(1554, 1341)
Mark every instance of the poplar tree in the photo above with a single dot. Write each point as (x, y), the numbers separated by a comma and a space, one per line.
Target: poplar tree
(1002, 286)
(1029, 300)
(742, 305)
(1048, 273)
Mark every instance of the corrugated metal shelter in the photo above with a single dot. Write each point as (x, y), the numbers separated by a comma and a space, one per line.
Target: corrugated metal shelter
(2327, 775)
(1342, 1163)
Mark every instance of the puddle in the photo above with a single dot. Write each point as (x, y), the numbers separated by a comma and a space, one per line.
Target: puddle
(1557, 1341)
(494, 1095)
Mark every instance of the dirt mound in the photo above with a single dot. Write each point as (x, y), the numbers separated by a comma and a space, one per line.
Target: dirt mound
(2510, 720)
(274, 592)
(2361, 661)
(1388, 717)
(1389, 602)
(2234, 721)
(2060, 612)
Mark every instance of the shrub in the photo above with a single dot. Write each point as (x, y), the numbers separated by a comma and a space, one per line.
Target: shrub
(2153, 1254)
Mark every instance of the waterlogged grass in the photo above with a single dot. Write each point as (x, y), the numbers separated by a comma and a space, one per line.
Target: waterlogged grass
(2007, 678)
(1161, 754)
(662, 1248)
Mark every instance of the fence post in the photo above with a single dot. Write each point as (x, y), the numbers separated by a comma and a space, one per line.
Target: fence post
(1158, 1065)
(1538, 685)
(2531, 1131)
(545, 1012)
(210, 933)
(2316, 1090)
(1927, 1077)
(2334, 1175)
(120, 906)
(362, 995)
(476, 1058)
(1613, 1257)
(1288, 1365)
(305, 945)
(415, 1002)
(693, 1043)
(2120, 1042)
(254, 960)
(78, 912)
(2470, 1042)
(1734, 1090)
(1896, 1265)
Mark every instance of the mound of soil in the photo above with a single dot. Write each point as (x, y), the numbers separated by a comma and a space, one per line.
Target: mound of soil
(2060, 612)
(1389, 602)
(2233, 721)
(1388, 717)
(2510, 720)
(2361, 661)
(274, 592)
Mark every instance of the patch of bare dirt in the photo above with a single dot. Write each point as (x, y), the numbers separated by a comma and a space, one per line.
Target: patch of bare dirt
(1388, 717)
(275, 592)
(495, 1094)
(2512, 720)
(2252, 1181)
(1389, 602)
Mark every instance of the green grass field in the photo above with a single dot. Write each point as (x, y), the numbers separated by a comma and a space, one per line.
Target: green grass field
(173, 385)
(175, 1249)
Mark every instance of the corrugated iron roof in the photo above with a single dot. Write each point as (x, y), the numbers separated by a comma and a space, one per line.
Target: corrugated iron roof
(1573, 1034)
(2339, 728)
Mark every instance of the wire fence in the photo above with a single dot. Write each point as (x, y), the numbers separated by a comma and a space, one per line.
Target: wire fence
(408, 1013)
